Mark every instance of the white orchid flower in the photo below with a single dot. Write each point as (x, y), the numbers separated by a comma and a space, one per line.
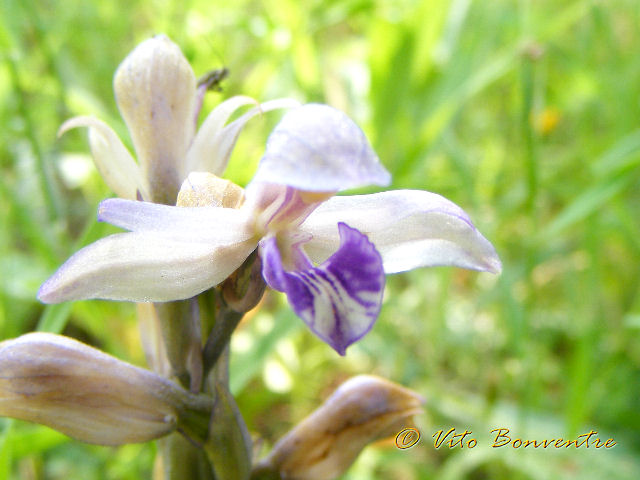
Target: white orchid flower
(328, 254)
(157, 94)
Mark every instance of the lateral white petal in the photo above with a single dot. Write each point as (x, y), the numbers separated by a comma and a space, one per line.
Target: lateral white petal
(201, 151)
(410, 229)
(215, 225)
(112, 159)
(213, 145)
(143, 267)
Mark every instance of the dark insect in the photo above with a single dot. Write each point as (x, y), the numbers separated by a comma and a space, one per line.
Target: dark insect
(212, 80)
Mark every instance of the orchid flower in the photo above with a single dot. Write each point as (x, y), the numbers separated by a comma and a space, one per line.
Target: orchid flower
(328, 254)
(158, 97)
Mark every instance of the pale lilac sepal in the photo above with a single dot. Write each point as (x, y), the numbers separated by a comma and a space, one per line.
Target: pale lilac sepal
(410, 229)
(320, 149)
(155, 90)
(216, 225)
(341, 298)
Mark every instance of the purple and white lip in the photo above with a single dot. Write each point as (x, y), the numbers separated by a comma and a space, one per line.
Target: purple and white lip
(340, 299)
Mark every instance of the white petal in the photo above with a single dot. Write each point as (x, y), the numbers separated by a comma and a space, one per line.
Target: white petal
(112, 159)
(317, 148)
(213, 225)
(410, 229)
(143, 267)
(214, 142)
(203, 148)
(156, 92)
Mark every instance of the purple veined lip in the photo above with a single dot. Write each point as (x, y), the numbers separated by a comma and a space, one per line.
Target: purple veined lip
(341, 298)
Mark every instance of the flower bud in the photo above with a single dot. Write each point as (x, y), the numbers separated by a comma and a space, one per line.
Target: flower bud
(324, 445)
(155, 90)
(85, 393)
(244, 288)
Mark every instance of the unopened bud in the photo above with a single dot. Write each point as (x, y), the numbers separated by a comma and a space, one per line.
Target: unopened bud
(325, 444)
(244, 288)
(202, 189)
(85, 393)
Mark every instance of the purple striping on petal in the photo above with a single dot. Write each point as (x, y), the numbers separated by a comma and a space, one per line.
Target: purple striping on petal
(339, 299)
(351, 291)
(308, 278)
(288, 196)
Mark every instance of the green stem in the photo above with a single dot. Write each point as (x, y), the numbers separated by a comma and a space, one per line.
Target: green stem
(180, 460)
(528, 135)
(194, 417)
(220, 336)
(181, 335)
(222, 435)
(228, 446)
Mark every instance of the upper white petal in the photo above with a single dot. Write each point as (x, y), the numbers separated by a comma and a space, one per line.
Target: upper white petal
(142, 267)
(410, 229)
(155, 90)
(114, 162)
(319, 149)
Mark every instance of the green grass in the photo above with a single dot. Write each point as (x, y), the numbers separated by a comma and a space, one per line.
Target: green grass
(525, 113)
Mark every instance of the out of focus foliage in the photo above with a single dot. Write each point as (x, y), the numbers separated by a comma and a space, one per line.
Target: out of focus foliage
(526, 113)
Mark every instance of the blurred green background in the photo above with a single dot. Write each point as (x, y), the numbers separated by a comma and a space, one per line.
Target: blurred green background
(525, 113)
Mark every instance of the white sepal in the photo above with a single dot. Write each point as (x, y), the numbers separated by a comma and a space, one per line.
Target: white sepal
(112, 159)
(410, 229)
